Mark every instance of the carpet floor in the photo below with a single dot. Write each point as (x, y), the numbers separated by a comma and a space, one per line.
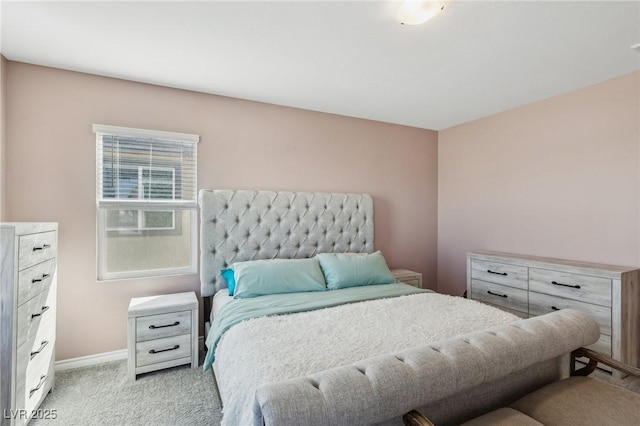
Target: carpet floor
(102, 395)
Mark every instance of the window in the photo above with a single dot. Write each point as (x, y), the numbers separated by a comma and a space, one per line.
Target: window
(146, 200)
(143, 183)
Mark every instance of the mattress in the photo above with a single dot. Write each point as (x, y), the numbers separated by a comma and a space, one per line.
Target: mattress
(219, 299)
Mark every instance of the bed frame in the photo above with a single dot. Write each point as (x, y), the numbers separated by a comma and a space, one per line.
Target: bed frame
(452, 380)
(240, 225)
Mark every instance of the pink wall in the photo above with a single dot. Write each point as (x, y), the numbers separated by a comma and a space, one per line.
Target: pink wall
(51, 164)
(3, 130)
(557, 178)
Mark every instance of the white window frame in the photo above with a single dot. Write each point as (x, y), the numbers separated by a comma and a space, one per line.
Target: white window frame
(141, 204)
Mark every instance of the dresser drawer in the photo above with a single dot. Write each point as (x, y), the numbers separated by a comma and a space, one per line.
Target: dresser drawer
(153, 327)
(40, 308)
(540, 304)
(35, 380)
(499, 273)
(500, 295)
(34, 280)
(603, 345)
(571, 286)
(36, 248)
(35, 348)
(162, 350)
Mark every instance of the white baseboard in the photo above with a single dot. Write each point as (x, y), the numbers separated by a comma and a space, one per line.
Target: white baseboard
(89, 360)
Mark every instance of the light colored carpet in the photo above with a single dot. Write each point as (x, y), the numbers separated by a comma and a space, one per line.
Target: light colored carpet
(102, 395)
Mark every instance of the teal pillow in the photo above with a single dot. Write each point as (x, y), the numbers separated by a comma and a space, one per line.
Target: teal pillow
(343, 270)
(260, 277)
(227, 274)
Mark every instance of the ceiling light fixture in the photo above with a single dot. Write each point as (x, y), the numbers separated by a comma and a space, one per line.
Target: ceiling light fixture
(413, 12)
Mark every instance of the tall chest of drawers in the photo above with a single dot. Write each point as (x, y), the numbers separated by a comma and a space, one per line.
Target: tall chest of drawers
(528, 286)
(28, 272)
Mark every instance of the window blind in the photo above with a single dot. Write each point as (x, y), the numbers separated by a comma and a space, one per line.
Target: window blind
(145, 168)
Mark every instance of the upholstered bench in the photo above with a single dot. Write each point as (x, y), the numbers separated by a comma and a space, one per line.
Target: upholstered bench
(576, 400)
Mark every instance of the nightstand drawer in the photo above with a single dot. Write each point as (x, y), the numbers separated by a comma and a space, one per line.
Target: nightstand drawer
(153, 327)
(500, 295)
(543, 303)
(500, 273)
(36, 248)
(571, 286)
(161, 350)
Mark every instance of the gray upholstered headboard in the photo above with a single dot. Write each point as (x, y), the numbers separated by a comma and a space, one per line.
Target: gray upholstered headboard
(248, 225)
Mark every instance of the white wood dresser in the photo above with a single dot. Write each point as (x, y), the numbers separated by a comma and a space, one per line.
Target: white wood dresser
(28, 274)
(162, 332)
(528, 286)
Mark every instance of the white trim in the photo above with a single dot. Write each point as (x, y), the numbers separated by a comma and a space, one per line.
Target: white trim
(146, 204)
(144, 133)
(90, 360)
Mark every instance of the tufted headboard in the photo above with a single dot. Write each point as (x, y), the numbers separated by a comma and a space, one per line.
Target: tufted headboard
(249, 225)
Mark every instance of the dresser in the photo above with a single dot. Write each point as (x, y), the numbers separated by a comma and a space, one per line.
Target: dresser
(528, 286)
(162, 332)
(28, 270)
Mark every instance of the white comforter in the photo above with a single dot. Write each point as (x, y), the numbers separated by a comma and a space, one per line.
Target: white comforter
(268, 349)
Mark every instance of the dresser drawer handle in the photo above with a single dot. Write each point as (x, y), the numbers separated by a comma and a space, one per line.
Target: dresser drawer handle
(37, 280)
(153, 327)
(555, 309)
(42, 345)
(565, 285)
(44, 309)
(496, 294)
(153, 351)
(42, 380)
(497, 273)
(42, 247)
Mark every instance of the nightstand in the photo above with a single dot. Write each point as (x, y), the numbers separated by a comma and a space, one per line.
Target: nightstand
(162, 332)
(408, 277)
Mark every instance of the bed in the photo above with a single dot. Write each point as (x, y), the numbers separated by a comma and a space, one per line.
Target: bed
(267, 344)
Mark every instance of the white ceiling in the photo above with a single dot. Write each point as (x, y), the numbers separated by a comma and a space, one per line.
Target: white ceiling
(349, 57)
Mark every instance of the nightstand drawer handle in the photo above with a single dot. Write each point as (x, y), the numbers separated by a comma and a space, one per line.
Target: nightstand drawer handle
(497, 273)
(153, 327)
(42, 247)
(565, 285)
(153, 351)
(496, 294)
(42, 345)
(37, 280)
(42, 379)
(44, 309)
